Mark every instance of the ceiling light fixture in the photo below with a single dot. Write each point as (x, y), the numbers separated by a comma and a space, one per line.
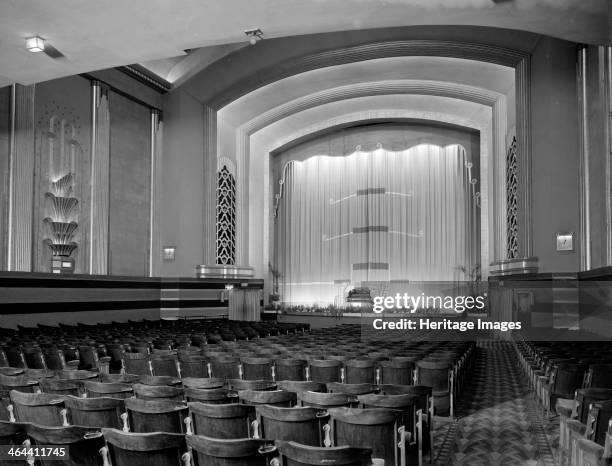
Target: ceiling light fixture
(254, 35)
(35, 44)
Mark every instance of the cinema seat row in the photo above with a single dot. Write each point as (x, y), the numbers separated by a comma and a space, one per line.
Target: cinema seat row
(573, 379)
(309, 397)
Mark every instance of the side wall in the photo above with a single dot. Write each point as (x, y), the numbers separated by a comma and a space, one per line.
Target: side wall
(555, 160)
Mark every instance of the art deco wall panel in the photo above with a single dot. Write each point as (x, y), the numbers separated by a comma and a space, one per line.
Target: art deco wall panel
(130, 180)
(62, 148)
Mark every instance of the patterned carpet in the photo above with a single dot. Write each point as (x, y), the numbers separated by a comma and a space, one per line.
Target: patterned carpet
(497, 420)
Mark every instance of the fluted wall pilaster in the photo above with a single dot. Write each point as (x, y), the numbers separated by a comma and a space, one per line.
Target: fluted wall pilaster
(523, 140)
(209, 230)
(21, 179)
(100, 181)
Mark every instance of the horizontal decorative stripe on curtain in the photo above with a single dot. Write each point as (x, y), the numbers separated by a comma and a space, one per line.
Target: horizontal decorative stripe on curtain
(374, 216)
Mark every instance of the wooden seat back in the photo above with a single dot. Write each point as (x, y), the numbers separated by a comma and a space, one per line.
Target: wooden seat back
(324, 370)
(156, 415)
(114, 390)
(156, 392)
(41, 408)
(12, 433)
(145, 449)
(221, 420)
(82, 444)
(273, 398)
(359, 371)
(230, 452)
(299, 423)
(368, 428)
(296, 454)
(290, 369)
(95, 412)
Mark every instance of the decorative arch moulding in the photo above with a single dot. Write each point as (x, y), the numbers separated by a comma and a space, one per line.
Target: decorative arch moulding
(426, 48)
(390, 87)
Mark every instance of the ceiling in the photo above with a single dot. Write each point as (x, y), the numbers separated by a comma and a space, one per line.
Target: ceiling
(106, 33)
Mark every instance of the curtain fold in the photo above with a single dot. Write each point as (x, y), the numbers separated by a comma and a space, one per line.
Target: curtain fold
(374, 216)
(244, 305)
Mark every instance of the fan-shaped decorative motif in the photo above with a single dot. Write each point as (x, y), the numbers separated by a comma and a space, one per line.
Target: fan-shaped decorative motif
(63, 250)
(61, 207)
(63, 186)
(60, 232)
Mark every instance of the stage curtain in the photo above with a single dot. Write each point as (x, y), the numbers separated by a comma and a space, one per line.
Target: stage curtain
(244, 304)
(374, 216)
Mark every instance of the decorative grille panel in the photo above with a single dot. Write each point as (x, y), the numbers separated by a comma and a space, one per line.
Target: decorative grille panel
(226, 217)
(512, 201)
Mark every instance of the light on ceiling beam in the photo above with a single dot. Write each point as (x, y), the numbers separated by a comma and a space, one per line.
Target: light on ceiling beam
(35, 44)
(254, 35)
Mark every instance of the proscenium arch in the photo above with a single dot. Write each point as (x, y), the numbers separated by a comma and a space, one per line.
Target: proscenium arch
(463, 92)
(518, 59)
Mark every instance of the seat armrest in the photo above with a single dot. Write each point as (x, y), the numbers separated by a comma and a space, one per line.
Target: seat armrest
(576, 427)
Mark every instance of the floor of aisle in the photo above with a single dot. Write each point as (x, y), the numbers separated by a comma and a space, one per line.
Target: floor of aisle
(497, 422)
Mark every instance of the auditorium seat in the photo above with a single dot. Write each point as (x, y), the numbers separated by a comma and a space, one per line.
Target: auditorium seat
(269, 397)
(62, 387)
(323, 400)
(238, 384)
(377, 429)
(359, 371)
(156, 415)
(202, 382)
(208, 451)
(34, 358)
(157, 392)
(298, 423)
(598, 375)
(159, 380)
(13, 433)
(300, 386)
(296, 454)
(590, 453)
(351, 388)
(96, 412)
(75, 374)
(137, 363)
(211, 395)
(397, 371)
(90, 360)
(227, 421)
(114, 390)
(144, 449)
(120, 378)
(192, 365)
(164, 364)
(20, 383)
(225, 367)
(565, 379)
(324, 370)
(82, 444)
(41, 408)
(290, 369)
(257, 368)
